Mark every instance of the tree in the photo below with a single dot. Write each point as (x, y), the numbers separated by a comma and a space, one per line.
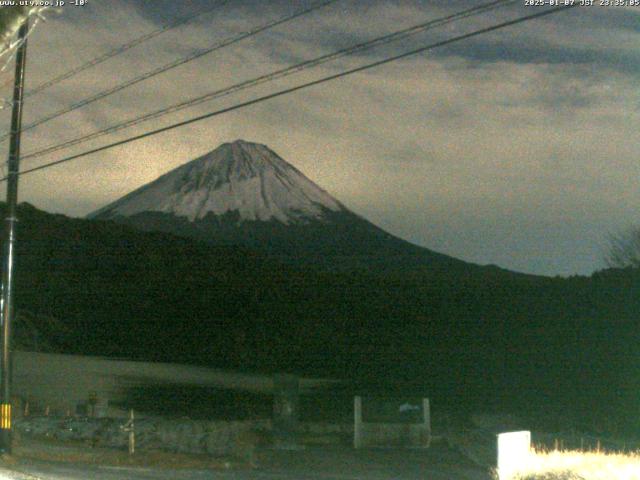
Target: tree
(624, 249)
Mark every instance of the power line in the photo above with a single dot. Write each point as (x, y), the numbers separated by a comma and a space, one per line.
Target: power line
(189, 58)
(278, 74)
(301, 87)
(123, 48)
(306, 85)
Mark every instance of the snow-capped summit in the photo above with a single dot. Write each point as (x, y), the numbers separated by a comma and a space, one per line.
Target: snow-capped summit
(244, 194)
(240, 177)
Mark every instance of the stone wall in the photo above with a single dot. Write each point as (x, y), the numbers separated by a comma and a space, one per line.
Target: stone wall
(217, 438)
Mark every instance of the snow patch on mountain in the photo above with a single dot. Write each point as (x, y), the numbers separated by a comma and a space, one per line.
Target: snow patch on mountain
(243, 177)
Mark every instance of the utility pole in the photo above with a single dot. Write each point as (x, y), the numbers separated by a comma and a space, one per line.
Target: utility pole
(6, 308)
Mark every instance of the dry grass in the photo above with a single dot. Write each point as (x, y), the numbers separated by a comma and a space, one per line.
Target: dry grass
(576, 465)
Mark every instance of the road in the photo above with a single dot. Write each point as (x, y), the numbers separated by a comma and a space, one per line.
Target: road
(437, 463)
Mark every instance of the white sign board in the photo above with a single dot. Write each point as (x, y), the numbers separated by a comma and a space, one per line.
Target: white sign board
(514, 449)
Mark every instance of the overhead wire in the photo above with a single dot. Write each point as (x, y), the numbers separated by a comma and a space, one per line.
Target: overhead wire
(123, 48)
(276, 75)
(290, 90)
(165, 68)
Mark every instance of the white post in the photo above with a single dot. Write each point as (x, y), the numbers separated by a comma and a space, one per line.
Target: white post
(514, 449)
(357, 422)
(426, 410)
(132, 434)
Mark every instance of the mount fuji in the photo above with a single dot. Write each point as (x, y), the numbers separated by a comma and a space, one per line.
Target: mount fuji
(243, 193)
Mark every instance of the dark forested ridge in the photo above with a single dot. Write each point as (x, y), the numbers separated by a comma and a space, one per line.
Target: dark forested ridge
(472, 336)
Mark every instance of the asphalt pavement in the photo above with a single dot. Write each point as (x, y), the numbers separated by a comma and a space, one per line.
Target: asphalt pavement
(436, 463)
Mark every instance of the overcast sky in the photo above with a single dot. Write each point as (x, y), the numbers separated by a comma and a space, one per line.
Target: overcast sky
(517, 148)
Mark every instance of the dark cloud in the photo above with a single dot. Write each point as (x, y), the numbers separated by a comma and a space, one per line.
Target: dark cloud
(559, 97)
(538, 53)
(162, 12)
(602, 38)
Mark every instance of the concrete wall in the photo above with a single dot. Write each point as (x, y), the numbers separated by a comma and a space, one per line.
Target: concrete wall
(393, 434)
(388, 434)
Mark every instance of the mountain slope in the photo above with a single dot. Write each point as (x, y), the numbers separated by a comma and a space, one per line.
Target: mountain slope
(486, 336)
(241, 177)
(245, 194)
